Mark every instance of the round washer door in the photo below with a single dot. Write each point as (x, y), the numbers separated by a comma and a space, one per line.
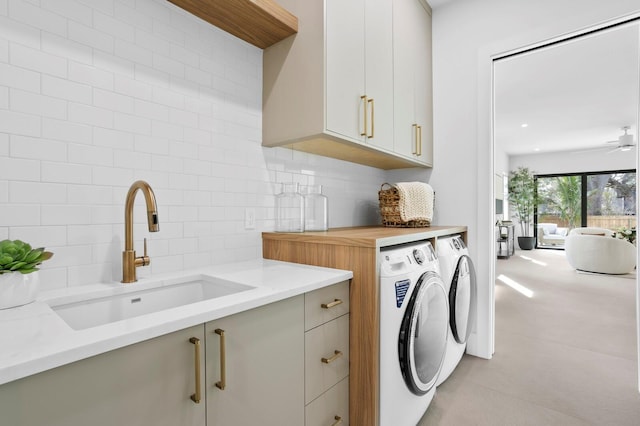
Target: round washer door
(423, 334)
(463, 299)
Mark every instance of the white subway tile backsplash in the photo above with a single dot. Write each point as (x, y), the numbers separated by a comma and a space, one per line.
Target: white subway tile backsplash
(32, 103)
(20, 123)
(62, 214)
(113, 101)
(4, 191)
(4, 97)
(63, 88)
(89, 234)
(19, 78)
(91, 37)
(89, 154)
(93, 116)
(21, 33)
(37, 192)
(132, 124)
(21, 214)
(115, 139)
(65, 131)
(40, 236)
(89, 194)
(83, 74)
(114, 176)
(66, 173)
(37, 17)
(73, 50)
(37, 60)
(17, 169)
(69, 9)
(107, 24)
(37, 148)
(143, 90)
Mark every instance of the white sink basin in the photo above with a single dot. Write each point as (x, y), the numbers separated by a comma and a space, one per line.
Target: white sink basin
(129, 304)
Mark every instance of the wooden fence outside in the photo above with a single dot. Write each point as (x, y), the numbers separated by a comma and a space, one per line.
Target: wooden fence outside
(607, 222)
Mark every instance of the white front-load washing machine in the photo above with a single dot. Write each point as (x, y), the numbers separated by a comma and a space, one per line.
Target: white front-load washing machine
(414, 317)
(459, 277)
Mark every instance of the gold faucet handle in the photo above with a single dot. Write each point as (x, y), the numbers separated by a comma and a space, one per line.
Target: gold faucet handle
(143, 260)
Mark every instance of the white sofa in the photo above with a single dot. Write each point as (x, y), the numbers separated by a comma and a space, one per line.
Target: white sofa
(549, 234)
(595, 250)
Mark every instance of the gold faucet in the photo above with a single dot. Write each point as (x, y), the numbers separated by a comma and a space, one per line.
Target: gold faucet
(129, 260)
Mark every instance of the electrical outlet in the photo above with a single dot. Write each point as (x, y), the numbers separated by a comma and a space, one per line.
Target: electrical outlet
(249, 218)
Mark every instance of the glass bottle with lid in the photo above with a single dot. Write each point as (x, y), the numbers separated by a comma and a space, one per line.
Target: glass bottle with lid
(289, 209)
(315, 209)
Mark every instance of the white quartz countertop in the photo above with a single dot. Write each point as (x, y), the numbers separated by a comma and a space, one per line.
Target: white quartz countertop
(34, 338)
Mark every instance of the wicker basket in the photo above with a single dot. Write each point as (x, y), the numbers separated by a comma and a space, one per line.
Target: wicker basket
(390, 209)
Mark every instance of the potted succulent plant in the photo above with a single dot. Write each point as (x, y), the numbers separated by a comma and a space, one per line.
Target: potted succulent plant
(18, 278)
(522, 195)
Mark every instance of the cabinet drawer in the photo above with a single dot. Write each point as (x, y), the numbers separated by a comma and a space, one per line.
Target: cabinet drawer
(325, 304)
(326, 356)
(330, 407)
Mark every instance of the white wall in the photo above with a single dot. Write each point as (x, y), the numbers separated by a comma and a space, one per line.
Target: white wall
(97, 94)
(574, 162)
(466, 35)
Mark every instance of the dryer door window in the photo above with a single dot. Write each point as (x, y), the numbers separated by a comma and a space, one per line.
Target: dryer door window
(463, 299)
(423, 334)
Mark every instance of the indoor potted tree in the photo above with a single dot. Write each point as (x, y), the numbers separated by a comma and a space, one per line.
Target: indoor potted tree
(522, 195)
(18, 278)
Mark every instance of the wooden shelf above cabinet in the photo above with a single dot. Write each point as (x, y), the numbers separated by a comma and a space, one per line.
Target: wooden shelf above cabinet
(259, 22)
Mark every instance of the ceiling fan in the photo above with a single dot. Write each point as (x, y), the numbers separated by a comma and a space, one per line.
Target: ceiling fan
(625, 142)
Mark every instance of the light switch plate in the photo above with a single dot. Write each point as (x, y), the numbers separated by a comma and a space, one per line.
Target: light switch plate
(249, 218)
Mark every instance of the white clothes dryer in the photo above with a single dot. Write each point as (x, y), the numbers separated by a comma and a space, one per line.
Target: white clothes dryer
(414, 316)
(459, 277)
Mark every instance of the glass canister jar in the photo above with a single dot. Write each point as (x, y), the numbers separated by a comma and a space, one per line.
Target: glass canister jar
(289, 209)
(315, 209)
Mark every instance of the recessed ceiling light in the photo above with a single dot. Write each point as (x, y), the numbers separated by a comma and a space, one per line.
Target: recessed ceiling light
(523, 125)
(536, 149)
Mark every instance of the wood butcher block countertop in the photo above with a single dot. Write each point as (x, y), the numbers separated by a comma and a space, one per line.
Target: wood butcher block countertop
(368, 236)
(355, 249)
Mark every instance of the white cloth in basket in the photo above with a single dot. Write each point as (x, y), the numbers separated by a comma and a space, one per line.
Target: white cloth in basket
(416, 201)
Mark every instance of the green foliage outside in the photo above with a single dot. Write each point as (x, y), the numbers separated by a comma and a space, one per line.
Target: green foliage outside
(522, 196)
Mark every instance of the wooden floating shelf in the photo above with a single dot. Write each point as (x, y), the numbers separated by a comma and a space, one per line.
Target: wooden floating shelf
(259, 22)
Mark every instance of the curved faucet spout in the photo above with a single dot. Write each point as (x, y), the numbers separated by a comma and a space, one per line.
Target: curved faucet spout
(129, 259)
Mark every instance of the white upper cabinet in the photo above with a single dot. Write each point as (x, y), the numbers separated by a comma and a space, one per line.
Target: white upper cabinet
(329, 89)
(413, 110)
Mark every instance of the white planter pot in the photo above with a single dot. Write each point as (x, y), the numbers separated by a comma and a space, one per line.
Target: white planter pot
(18, 289)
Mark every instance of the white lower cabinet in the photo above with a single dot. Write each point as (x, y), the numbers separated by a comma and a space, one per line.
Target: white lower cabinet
(255, 366)
(149, 383)
(326, 356)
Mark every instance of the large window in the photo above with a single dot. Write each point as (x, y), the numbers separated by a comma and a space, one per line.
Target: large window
(598, 199)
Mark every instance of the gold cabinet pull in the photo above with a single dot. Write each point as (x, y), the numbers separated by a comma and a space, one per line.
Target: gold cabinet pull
(337, 354)
(373, 119)
(196, 396)
(223, 375)
(330, 305)
(338, 420)
(419, 141)
(364, 99)
(415, 133)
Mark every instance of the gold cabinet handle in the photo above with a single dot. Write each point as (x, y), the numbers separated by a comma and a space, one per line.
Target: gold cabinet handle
(223, 375)
(337, 354)
(373, 119)
(419, 141)
(338, 420)
(330, 305)
(415, 132)
(196, 396)
(364, 99)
